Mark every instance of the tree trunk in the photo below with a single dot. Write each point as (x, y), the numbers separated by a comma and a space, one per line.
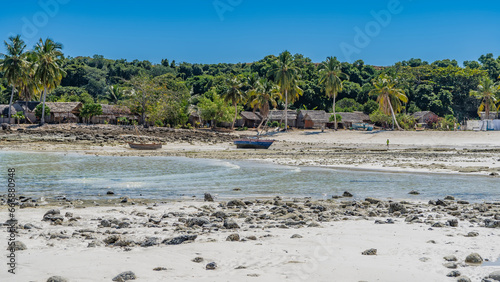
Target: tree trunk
(334, 113)
(486, 109)
(235, 114)
(393, 115)
(10, 103)
(286, 110)
(42, 122)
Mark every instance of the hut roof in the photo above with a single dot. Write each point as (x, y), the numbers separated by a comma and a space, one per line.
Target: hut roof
(418, 115)
(317, 116)
(63, 107)
(251, 116)
(65, 115)
(280, 114)
(4, 110)
(354, 117)
(30, 106)
(115, 110)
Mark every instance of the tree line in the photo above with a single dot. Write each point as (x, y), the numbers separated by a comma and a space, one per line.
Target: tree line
(168, 92)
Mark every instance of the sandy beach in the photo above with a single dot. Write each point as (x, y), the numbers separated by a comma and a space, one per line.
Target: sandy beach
(270, 239)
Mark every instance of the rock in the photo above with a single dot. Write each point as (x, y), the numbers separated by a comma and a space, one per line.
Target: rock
(472, 234)
(454, 273)
(198, 221)
(413, 192)
(16, 246)
(125, 276)
(495, 275)
(53, 215)
(110, 192)
(236, 203)
(159, 268)
(489, 223)
(438, 225)
(208, 197)
(295, 236)
(197, 259)
(449, 198)
(111, 239)
(463, 279)
(68, 214)
(450, 258)
(230, 224)
(251, 237)
(347, 195)
(220, 214)
(373, 200)
(105, 223)
(233, 237)
(474, 258)
(453, 222)
(180, 239)
(370, 252)
(125, 199)
(441, 203)
(57, 279)
(149, 242)
(211, 266)
(396, 207)
(314, 224)
(5, 126)
(450, 265)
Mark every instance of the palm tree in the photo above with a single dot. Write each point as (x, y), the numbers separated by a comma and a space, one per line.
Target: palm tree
(12, 65)
(389, 96)
(486, 92)
(265, 92)
(234, 94)
(286, 76)
(48, 67)
(30, 87)
(331, 77)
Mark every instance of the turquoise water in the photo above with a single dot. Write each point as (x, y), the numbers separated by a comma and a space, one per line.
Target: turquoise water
(87, 176)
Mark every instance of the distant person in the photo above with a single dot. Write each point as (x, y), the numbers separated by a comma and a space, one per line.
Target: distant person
(387, 143)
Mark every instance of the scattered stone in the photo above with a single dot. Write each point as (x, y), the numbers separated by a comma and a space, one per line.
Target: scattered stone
(159, 268)
(453, 222)
(233, 237)
(450, 265)
(198, 221)
(396, 207)
(449, 198)
(373, 200)
(253, 238)
(438, 225)
(57, 279)
(125, 276)
(197, 259)
(347, 195)
(489, 223)
(149, 242)
(236, 203)
(370, 252)
(16, 246)
(125, 199)
(463, 279)
(180, 239)
(474, 258)
(314, 224)
(295, 236)
(441, 203)
(495, 275)
(454, 273)
(208, 197)
(413, 192)
(110, 240)
(5, 126)
(211, 266)
(53, 215)
(431, 242)
(472, 234)
(424, 259)
(230, 224)
(110, 192)
(105, 223)
(450, 258)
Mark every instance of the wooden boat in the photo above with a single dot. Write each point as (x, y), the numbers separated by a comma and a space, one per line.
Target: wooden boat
(152, 146)
(253, 143)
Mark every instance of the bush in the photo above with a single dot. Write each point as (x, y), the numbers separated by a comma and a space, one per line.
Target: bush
(339, 118)
(406, 122)
(370, 107)
(159, 123)
(381, 119)
(38, 111)
(348, 105)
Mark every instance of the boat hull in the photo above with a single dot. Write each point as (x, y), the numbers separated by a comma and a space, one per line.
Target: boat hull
(253, 144)
(145, 146)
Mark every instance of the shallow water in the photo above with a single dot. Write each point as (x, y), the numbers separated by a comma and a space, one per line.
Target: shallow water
(87, 176)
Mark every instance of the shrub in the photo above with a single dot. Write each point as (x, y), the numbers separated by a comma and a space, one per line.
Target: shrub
(381, 119)
(38, 111)
(370, 107)
(159, 123)
(348, 105)
(339, 118)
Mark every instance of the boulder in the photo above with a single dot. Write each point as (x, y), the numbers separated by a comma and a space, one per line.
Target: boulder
(474, 258)
(179, 240)
(197, 221)
(57, 279)
(233, 237)
(125, 276)
(370, 252)
(495, 275)
(230, 224)
(208, 197)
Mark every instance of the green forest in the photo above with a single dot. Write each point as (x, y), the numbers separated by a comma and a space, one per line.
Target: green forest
(166, 93)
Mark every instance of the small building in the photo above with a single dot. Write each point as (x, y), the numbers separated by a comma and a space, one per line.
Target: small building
(279, 116)
(492, 115)
(28, 108)
(348, 118)
(64, 112)
(4, 114)
(111, 113)
(250, 119)
(312, 119)
(194, 119)
(425, 117)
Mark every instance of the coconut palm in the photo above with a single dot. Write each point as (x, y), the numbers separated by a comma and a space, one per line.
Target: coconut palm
(389, 96)
(234, 94)
(265, 93)
(331, 77)
(487, 92)
(12, 64)
(48, 67)
(285, 74)
(30, 87)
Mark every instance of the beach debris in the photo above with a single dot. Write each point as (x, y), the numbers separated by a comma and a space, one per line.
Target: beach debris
(474, 258)
(414, 192)
(450, 258)
(233, 237)
(179, 240)
(16, 246)
(197, 259)
(296, 236)
(57, 279)
(370, 252)
(495, 275)
(211, 266)
(197, 221)
(454, 273)
(230, 224)
(159, 268)
(125, 276)
(347, 195)
(208, 197)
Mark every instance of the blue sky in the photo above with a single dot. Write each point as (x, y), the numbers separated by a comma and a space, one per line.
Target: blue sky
(231, 31)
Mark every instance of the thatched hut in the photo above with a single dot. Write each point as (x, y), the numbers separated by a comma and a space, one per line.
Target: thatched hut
(28, 108)
(312, 119)
(64, 111)
(4, 113)
(355, 117)
(111, 113)
(425, 117)
(250, 119)
(279, 116)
